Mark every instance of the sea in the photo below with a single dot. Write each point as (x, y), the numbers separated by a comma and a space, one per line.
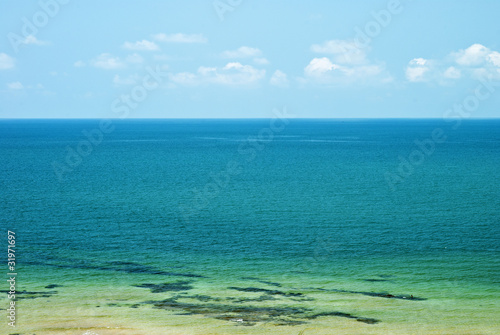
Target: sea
(250, 226)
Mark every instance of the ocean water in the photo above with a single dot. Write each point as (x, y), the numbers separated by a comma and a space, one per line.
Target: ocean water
(253, 226)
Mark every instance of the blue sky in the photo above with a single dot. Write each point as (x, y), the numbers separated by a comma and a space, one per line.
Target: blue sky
(239, 59)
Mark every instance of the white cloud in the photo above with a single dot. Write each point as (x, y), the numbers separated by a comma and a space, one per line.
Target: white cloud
(233, 73)
(418, 62)
(185, 78)
(452, 73)
(30, 39)
(242, 52)
(238, 74)
(319, 66)
(323, 71)
(417, 69)
(79, 63)
(472, 56)
(107, 62)
(246, 52)
(346, 64)
(476, 61)
(180, 38)
(134, 59)
(343, 51)
(494, 58)
(279, 79)
(143, 45)
(261, 61)
(15, 85)
(6, 62)
(416, 74)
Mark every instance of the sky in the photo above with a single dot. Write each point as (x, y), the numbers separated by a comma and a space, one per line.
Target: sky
(245, 58)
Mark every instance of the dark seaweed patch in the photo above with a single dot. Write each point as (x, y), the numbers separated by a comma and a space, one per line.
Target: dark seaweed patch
(53, 286)
(303, 299)
(127, 267)
(373, 294)
(344, 315)
(262, 281)
(202, 298)
(386, 276)
(230, 312)
(266, 291)
(130, 267)
(167, 287)
(248, 315)
(289, 323)
(239, 321)
(369, 321)
(32, 294)
(375, 280)
(386, 295)
(261, 298)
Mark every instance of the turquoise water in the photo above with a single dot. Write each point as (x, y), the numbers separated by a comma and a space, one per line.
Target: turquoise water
(308, 215)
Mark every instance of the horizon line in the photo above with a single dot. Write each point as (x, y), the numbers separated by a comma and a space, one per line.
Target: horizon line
(246, 118)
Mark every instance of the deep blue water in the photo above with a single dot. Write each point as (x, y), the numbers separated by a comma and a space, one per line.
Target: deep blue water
(315, 175)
